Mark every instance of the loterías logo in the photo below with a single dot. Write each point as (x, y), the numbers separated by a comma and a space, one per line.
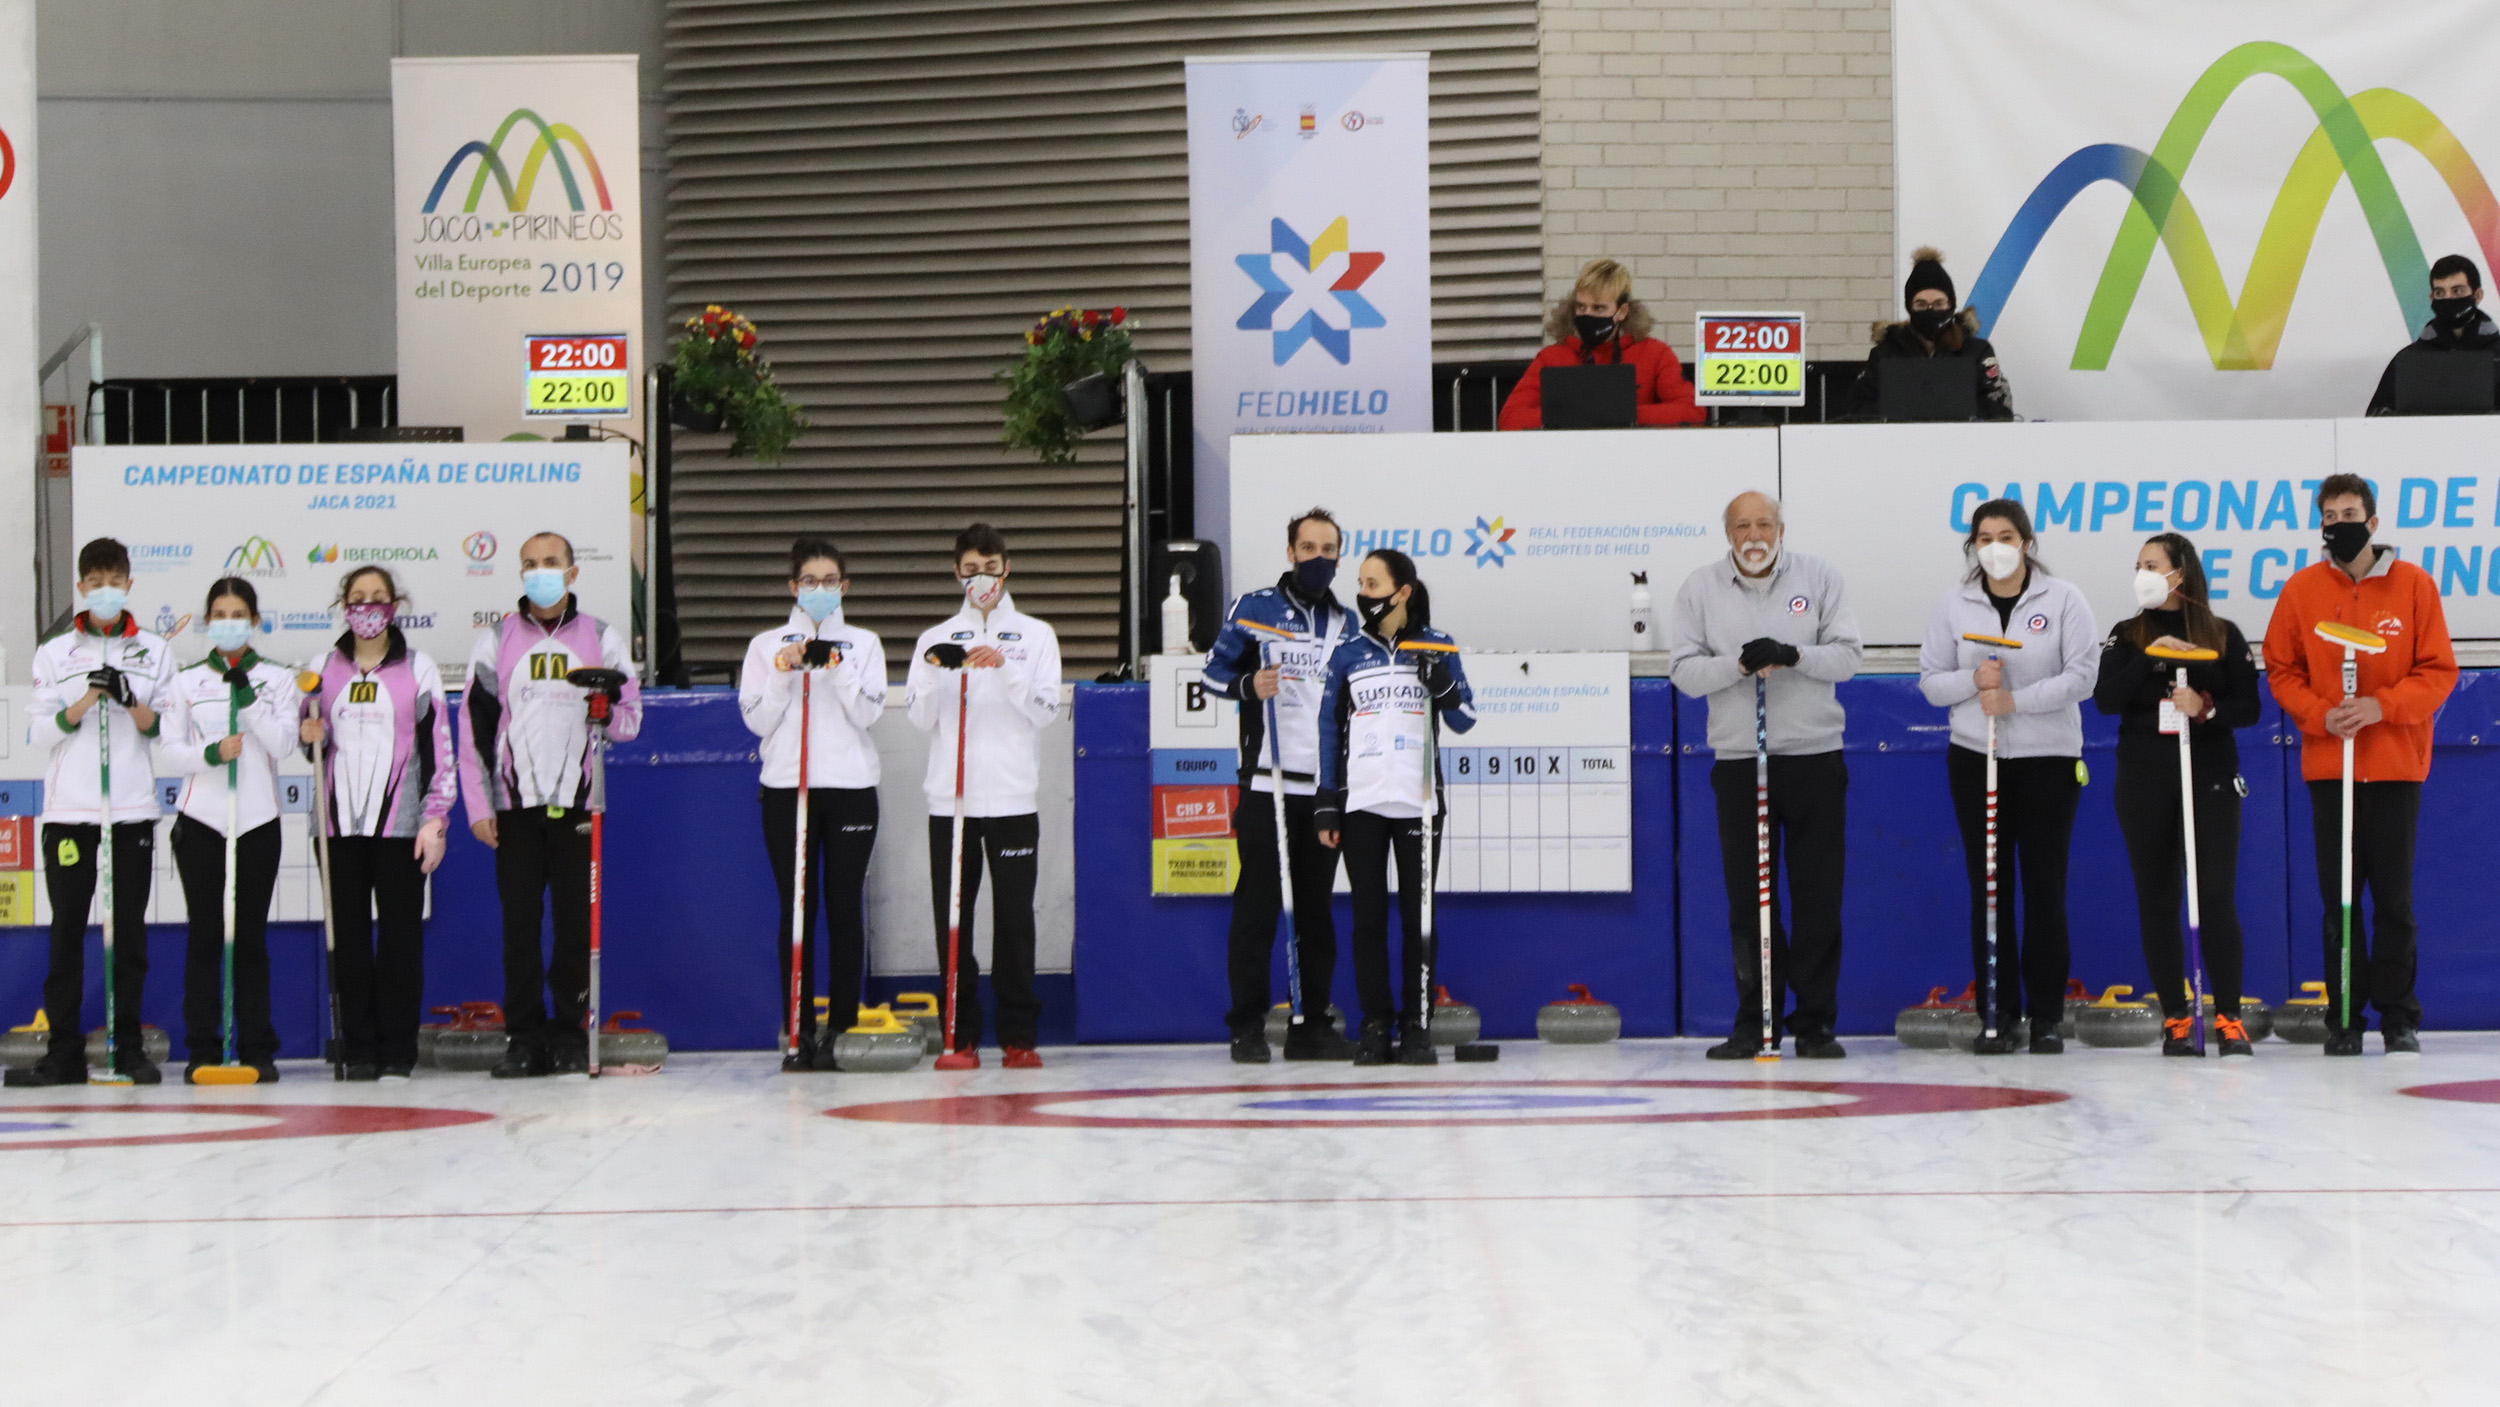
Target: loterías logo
(1310, 276)
(2244, 336)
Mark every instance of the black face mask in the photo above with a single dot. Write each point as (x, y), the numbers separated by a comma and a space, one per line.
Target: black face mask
(2452, 312)
(2346, 540)
(1311, 577)
(1593, 330)
(1372, 608)
(1930, 321)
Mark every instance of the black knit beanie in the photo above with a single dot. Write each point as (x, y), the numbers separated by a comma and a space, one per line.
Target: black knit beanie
(1926, 272)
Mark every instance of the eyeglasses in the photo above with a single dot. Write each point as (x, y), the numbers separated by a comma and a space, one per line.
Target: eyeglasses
(819, 583)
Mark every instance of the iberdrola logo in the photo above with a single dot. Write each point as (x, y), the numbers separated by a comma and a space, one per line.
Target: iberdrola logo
(2243, 335)
(1310, 276)
(545, 148)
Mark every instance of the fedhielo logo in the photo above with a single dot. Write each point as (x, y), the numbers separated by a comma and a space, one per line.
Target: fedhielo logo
(257, 557)
(1295, 273)
(2244, 336)
(1489, 543)
(547, 147)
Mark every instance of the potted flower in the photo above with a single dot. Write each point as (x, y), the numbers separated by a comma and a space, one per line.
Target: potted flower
(721, 384)
(1068, 382)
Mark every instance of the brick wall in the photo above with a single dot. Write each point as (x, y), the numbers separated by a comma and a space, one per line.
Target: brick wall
(1733, 153)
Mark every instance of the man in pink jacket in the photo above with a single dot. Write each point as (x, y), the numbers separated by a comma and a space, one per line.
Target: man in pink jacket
(525, 779)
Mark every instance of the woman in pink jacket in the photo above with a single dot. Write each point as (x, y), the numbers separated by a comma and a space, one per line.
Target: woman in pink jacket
(383, 734)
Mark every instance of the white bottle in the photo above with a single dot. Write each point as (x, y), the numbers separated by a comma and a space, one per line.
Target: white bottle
(1644, 625)
(1176, 620)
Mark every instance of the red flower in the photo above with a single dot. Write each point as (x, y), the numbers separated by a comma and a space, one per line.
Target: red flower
(746, 339)
(1092, 317)
(1118, 316)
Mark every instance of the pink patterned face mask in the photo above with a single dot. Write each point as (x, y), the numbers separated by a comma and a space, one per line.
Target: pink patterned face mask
(369, 618)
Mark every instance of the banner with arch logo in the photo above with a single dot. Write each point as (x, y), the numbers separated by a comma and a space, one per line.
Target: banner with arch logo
(2218, 211)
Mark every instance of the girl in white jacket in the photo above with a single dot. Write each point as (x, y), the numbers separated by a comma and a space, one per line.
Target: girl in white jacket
(228, 718)
(840, 668)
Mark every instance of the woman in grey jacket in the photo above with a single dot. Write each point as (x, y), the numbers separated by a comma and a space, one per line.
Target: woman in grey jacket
(2032, 693)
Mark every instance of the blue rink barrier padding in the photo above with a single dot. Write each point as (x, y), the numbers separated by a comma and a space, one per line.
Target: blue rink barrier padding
(689, 925)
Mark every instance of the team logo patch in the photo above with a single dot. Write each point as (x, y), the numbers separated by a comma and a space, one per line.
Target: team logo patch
(1798, 605)
(1008, 635)
(2038, 623)
(960, 635)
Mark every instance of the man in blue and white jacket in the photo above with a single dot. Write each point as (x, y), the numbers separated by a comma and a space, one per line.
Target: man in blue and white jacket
(1275, 646)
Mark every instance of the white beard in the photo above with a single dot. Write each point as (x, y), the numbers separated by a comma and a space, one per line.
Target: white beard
(1755, 559)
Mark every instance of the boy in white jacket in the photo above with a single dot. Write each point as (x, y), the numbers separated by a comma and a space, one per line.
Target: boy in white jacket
(1000, 668)
(842, 669)
(97, 688)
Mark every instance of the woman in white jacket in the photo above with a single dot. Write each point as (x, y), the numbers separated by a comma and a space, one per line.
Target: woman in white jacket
(2032, 693)
(842, 669)
(231, 715)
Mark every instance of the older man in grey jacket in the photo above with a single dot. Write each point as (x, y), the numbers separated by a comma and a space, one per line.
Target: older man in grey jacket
(1783, 617)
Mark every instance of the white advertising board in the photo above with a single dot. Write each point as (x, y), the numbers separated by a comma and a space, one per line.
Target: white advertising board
(1540, 790)
(1528, 541)
(518, 213)
(18, 283)
(448, 520)
(2210, 211)
(1310, 252)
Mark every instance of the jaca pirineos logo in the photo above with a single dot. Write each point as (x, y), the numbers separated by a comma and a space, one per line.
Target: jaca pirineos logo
(557, 159)
(257, 557)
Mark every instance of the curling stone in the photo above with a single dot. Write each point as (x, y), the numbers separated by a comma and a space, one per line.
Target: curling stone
(922, 1011)
(1578, 1019)
(2302, 1020)
(432, 1031)
(2114, 1024)
(881, 1042)
(23, 1045)
(474, 1040)
(1922, 1027)
(1454, 1022)
(1963, 1029)
(2078, 996)
(158, 1045)
(1280, 1016)
(620, 1044)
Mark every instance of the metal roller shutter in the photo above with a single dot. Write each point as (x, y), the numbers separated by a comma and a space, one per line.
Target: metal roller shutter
(893, 189)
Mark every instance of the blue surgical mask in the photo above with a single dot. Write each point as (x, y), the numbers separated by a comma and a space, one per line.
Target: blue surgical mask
(105, 603)
(228, 634)
(820, 602)
(544, 586)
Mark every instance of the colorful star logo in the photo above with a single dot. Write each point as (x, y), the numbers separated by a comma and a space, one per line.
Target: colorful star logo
(1489, 543)
(1294, 272)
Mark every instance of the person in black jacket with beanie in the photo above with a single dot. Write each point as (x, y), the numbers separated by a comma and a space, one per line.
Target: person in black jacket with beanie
(2220, 696)
(1937, 326)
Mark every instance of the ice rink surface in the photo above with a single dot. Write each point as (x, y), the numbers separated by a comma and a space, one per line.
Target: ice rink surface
(1158, 1226)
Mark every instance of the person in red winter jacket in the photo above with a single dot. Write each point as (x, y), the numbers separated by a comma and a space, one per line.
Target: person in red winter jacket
(1601, 324)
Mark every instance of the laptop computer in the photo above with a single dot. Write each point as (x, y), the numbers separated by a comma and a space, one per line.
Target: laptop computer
(1590, 397)
(1927, 388)
(2446, 383)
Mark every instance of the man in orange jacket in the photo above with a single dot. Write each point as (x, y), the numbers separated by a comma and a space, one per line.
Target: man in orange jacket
(1602, 324)
(2389, 720)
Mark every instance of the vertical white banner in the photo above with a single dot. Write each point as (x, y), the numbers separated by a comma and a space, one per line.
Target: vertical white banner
(1310, 254)
(518, 206)
(23, 455)
(2322, 154)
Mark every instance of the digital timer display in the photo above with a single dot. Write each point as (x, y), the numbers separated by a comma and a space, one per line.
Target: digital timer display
(1749, 358)
(578, 374)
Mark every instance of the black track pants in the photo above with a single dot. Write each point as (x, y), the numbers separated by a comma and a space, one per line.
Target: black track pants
(1369, 842)
(1809, 827)
(841, 834)
(2385, 816)
(200, 858)
(1258, 897)
(2148, 816)
(69, 880)
(543, 858)
(2036, 799)
(377, 899)
(1010, 845)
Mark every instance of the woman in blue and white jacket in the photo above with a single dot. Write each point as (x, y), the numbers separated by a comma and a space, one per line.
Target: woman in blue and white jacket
(2033, 693)
(1386, 688)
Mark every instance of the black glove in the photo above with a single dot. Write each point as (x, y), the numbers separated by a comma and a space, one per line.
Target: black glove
(1765, 651)
(114, 684)
(818, 654)
(607, 682)
(239, 680)
(1434, 670)
(945, 654)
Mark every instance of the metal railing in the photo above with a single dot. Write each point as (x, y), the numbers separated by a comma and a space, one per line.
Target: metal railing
(247, 410)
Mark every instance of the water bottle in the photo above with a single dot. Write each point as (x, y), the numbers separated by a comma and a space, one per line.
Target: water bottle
(1644, 625)
(1176, 620)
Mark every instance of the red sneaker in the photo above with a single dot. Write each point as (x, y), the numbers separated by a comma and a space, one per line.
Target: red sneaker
(1022, 1057)
(959, 1060)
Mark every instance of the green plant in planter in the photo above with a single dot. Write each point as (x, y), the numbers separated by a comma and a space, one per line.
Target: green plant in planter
(722, 385)
(1062, 347)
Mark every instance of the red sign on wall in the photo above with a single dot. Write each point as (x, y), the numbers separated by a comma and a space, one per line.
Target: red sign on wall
(1193, 813)
(17, 842)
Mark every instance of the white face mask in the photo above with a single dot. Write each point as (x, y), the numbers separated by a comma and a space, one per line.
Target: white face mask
(2151, 589)
(983, 591)
(2000, 560)
(1755, 558)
